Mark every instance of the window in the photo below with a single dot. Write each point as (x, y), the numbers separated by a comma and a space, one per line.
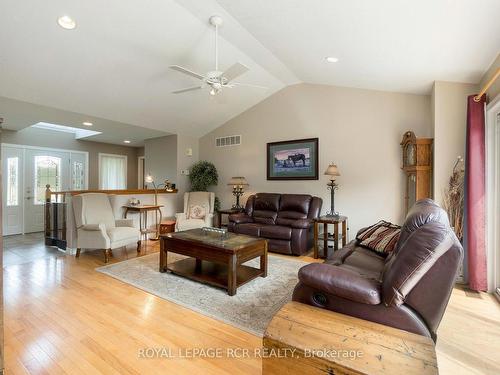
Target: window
(47, 172)
(112, 171)
(12, 181)
(78, 175)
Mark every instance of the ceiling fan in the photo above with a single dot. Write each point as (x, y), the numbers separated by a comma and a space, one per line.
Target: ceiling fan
(215, 80)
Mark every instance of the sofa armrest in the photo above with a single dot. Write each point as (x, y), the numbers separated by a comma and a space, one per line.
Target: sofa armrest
(209, 220)
(101, 227)
(341, 282)
(124, 223)
(240, 218)
(180, 216)
(302, 224)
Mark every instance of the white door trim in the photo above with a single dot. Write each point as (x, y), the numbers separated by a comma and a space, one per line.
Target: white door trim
(25, 147)
(493, 193)
(40, 148)
(140, 172)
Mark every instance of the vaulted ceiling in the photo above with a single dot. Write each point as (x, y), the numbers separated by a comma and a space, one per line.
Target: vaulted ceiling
(114, 64)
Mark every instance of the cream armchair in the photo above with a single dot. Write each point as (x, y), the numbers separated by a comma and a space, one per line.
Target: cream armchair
(97, 227)
(196, 198)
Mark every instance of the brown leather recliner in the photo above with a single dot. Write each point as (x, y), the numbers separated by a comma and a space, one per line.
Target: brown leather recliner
(286, 220)
(408, 290)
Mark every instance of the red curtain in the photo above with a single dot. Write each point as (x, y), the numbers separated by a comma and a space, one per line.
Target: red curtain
(475, 195)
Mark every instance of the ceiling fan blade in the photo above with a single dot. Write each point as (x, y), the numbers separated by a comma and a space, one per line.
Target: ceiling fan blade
(248, 85)
(186, 71)
(186, 90)
(234, 71)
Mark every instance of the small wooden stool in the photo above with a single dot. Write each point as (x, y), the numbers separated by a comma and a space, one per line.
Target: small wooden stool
(302, 339)
(167, 226)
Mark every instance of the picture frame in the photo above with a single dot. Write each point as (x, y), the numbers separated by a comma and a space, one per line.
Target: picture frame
(293, 160)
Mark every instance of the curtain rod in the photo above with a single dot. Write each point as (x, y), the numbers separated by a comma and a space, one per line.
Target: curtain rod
(477, 98)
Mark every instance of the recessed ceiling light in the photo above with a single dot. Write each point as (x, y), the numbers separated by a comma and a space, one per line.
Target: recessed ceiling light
(66, 22)
(87, 123)
(332, 59)
(126, 141)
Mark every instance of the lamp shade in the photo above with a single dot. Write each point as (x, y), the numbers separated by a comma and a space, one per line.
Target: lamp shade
(149, 179)
(332, 170)
(237, 181)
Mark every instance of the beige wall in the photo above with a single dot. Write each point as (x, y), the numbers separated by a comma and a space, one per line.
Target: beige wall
(47, 138)
(494, 90)
(450, 120)
(358, 129)
(160, 155)
(184, 162)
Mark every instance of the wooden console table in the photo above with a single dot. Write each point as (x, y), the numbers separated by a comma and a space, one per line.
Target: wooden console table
(314, 341)
(143, 211)
(325, 220)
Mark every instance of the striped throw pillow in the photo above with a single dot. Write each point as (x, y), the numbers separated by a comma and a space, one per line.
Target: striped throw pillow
(381, 237)
(367, 232)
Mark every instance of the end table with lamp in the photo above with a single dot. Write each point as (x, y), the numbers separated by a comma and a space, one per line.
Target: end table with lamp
(332, 217)
(332, 171)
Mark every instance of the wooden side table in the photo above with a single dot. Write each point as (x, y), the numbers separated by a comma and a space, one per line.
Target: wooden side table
(227, 211)
(167, 226)
(325, 220)
(143, 224)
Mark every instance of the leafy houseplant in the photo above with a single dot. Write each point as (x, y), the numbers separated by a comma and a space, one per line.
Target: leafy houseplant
(202, 175)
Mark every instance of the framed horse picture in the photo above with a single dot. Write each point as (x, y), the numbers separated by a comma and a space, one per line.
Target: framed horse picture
(293, 160)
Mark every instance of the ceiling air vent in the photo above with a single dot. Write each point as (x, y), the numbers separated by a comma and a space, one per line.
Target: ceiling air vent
(231, 140)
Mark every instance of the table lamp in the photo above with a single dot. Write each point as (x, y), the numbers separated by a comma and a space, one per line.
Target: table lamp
(237, 183)
(332, 171)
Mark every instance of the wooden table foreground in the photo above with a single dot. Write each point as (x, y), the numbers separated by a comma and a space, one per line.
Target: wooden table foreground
(302, 339)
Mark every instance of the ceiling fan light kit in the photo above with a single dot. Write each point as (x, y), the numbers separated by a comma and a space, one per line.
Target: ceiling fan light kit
(215, 79)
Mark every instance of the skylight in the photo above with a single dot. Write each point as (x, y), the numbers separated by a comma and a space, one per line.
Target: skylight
(79, 133)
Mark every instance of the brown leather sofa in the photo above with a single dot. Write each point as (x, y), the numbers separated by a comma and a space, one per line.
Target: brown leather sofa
(408, 290)
(286, 220)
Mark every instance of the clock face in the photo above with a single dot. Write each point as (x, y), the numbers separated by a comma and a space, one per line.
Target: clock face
(410, 155)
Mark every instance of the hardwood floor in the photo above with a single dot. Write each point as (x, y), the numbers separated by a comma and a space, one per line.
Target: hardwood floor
(62, 317)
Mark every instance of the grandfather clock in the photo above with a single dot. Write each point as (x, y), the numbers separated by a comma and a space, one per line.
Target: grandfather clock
(417, 165)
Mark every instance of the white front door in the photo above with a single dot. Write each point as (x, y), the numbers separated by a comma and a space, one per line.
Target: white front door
(43, 167)
(12, 195)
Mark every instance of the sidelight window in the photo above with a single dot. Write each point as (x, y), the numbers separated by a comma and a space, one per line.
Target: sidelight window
(13, 181)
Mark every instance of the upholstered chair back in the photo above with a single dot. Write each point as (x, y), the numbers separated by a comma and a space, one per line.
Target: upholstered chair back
(199, 198)
(93, 208)
(422, 270)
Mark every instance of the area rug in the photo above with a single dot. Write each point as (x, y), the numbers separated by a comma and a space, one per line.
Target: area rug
(251, 309)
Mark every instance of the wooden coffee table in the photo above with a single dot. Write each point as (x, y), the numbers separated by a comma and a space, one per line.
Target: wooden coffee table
(214, 260)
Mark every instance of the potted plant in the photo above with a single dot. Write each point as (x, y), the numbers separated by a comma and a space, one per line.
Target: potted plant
(202, 175)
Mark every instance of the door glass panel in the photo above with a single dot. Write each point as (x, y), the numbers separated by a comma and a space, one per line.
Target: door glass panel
(78, 173)
(12, 181)
(47, 172)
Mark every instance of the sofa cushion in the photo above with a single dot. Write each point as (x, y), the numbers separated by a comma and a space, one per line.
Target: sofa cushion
(276, 231)
(122, 233)
(289, 217)
(250, 229)
(265, 217)
(267, 202)
(296, 203)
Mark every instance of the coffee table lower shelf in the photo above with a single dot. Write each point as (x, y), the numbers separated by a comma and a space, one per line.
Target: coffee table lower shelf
(212, 273)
